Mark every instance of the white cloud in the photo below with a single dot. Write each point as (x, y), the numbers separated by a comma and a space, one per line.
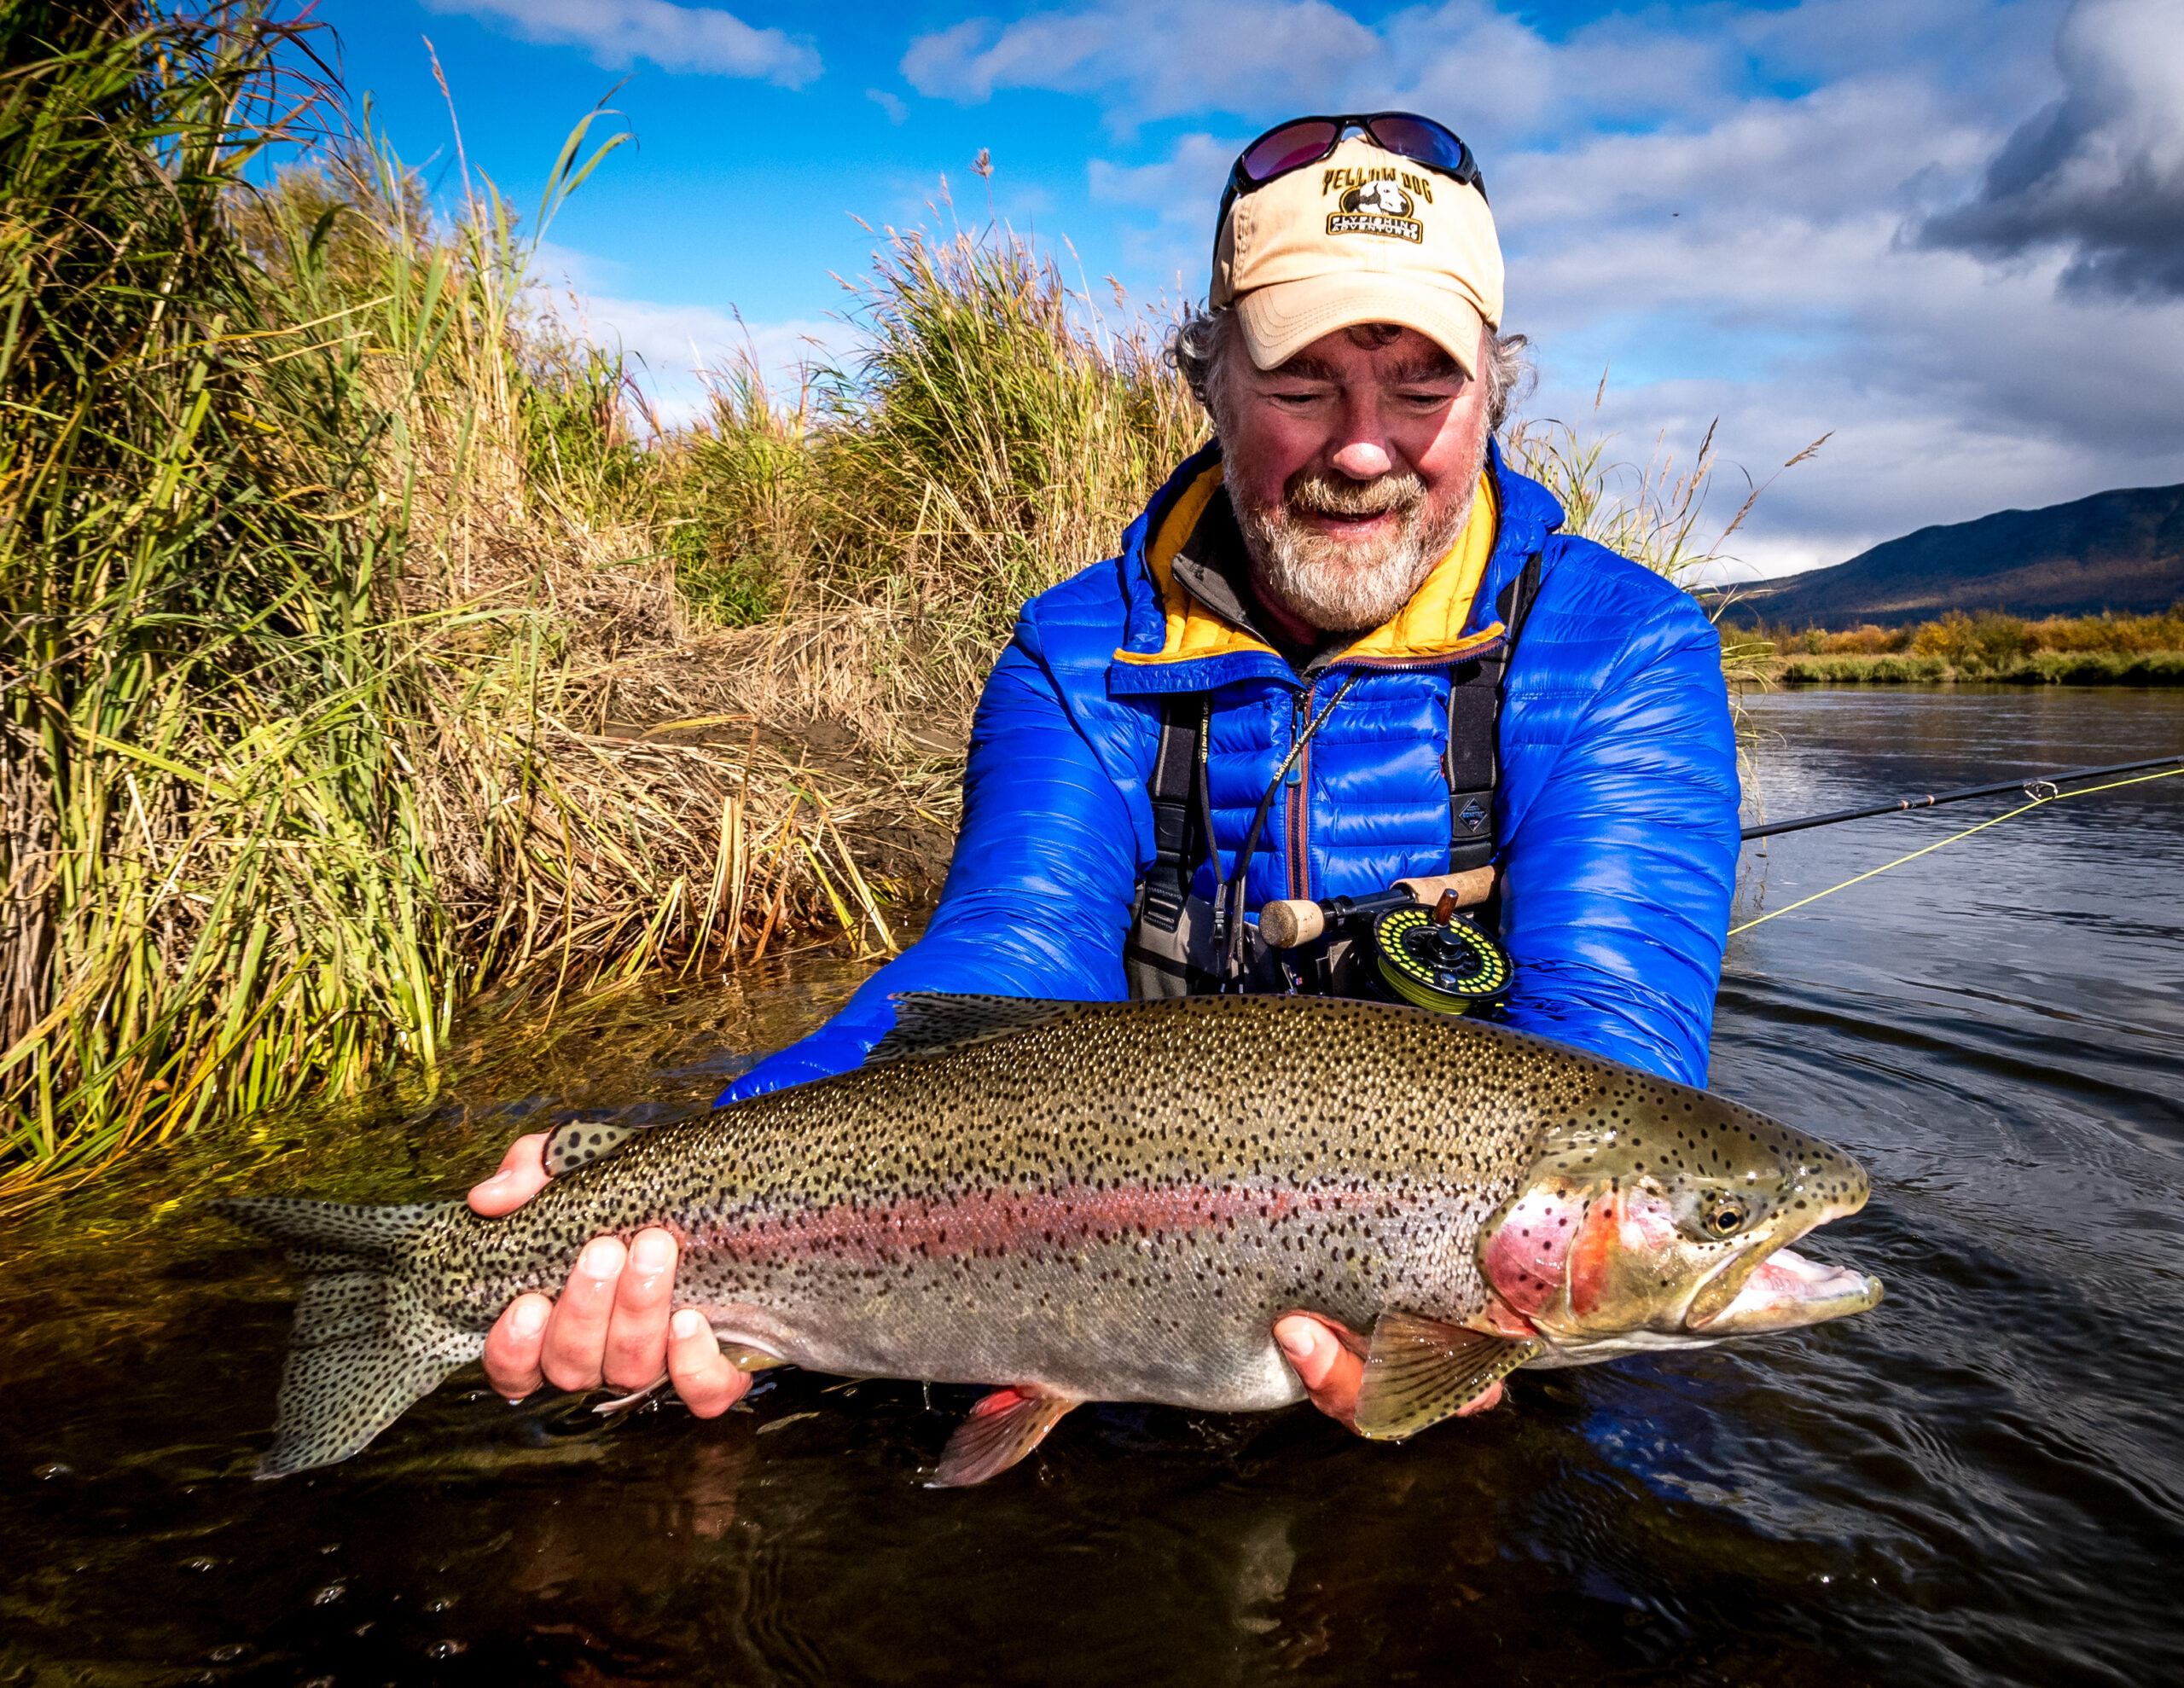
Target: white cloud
(617, 32)
(890, 103)
(2101, 172)
(1782, 300)
(1185, 187)
(1171, 56)
(673, 349)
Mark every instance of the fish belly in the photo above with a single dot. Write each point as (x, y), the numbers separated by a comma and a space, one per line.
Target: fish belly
(1175, 1317)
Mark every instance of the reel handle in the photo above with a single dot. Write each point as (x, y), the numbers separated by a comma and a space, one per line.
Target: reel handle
(1473, 887)
(1290, 921)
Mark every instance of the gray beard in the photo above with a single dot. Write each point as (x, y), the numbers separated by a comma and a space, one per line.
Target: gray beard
(1340, 586)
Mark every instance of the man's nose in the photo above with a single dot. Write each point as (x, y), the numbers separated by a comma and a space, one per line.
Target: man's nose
(1363, 460)
(1363, 453)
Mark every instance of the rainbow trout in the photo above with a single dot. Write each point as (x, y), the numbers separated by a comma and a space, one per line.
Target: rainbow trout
(1115, 1202)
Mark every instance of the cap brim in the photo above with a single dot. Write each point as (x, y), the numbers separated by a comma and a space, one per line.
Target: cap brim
(1281, 319)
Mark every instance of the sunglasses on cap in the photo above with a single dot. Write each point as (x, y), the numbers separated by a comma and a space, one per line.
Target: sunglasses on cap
(1304, 141)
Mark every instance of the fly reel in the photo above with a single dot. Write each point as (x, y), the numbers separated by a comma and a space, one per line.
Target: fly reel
(1448, 965)
(1409, 941)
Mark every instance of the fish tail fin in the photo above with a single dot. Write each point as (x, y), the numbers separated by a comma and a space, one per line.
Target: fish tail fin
(369, 1232)
(365, 1348)
(336, 1399)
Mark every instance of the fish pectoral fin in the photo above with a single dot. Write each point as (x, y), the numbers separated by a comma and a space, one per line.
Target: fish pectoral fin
(570, 1147)
(1002, 1428)
(1420, 1370)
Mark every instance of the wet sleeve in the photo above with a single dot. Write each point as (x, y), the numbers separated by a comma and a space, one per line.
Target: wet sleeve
(1618, 882)
(1038, 901)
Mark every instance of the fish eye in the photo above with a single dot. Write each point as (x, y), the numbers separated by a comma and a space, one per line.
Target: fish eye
(1726, 1220)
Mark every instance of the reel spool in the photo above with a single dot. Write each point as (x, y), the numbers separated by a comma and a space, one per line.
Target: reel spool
(1449, 965)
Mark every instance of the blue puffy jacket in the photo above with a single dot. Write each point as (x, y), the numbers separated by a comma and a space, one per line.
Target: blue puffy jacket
(1616, 810)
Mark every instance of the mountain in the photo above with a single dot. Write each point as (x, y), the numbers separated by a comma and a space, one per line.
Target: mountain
(2120, 551)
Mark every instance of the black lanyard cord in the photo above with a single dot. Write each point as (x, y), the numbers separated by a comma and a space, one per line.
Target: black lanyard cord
(1228, 903)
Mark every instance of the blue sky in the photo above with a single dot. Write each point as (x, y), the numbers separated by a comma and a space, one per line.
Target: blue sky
(1951, 231)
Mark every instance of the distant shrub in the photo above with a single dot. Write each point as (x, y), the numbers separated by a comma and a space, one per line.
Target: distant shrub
(2132, 635)
(1867, 640)
(1985, 640)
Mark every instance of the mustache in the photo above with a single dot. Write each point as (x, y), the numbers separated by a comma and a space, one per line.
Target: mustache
(1316, 492)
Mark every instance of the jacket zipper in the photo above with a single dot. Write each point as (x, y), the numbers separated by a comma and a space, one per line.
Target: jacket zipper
(1393, 664)
(1299, 795)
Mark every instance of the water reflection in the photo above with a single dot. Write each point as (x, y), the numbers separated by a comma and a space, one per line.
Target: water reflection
(1978, 1481)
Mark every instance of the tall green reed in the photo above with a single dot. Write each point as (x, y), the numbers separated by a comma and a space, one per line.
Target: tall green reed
(224, 696)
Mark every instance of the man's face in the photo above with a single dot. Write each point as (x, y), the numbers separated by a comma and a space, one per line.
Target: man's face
(1352, 467)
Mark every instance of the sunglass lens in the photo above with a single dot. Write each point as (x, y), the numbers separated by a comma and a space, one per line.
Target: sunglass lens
(1419, 138)
(1287, 148)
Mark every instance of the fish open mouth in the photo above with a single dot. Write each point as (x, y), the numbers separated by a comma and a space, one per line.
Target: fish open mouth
(1787, 1291)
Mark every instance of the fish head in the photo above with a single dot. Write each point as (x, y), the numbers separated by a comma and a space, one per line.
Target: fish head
(1660, 1217)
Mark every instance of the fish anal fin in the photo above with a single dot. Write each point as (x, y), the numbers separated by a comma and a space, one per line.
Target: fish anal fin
(582, 1142)
(928, 1022)
(1001, 1429)
(1420, 1370)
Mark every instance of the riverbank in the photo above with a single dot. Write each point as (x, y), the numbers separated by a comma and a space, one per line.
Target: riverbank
(2045, 668)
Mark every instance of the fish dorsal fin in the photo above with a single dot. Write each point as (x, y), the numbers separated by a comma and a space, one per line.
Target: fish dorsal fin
(1002, 1428)
(582, 1142)
(1420, 1370)
(927, 1022)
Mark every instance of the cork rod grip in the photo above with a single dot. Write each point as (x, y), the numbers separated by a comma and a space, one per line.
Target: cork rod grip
(1291, 921)
(1472, 887)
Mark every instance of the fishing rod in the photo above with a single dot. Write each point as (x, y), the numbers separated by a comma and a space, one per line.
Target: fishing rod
(2033, 786)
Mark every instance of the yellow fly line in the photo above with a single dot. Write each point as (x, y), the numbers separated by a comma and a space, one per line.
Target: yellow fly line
(2052, 797)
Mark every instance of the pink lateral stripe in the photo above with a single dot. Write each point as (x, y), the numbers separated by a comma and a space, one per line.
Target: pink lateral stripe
(985, 1222)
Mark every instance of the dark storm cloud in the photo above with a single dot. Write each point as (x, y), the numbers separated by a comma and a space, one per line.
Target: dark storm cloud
(2100, 172)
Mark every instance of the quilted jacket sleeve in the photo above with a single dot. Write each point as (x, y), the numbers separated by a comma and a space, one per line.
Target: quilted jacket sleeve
(1038, 903)
(1617, 878)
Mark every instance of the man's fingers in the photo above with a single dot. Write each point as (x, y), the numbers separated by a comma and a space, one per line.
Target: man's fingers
(1330, 1371)
(522, 1175)
(575, 1336)
(636, 1337)
(708, 1384)
(513, 1346)
(1331, 1368)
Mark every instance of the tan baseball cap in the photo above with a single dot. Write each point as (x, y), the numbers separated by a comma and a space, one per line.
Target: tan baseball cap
(1364, 235)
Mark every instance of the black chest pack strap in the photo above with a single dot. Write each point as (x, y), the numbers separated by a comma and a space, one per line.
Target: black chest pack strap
(1180, 815)
(1472, 760)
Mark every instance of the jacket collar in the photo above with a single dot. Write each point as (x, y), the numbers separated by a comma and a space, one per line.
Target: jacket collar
(1177, 641)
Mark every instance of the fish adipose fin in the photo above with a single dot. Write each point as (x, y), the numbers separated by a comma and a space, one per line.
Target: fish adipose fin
(363, 1351)
(1002, 1428)
(570, 1147)
(1420, 1370)
(927, 1022)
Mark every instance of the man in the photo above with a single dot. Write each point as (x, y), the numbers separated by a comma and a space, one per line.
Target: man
(1347, 639)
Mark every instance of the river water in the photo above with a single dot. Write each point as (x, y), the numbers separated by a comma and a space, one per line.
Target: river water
(1982, 1481)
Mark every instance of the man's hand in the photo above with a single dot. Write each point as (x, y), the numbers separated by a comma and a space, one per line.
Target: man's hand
(611, 1324)
(1330, 1358)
